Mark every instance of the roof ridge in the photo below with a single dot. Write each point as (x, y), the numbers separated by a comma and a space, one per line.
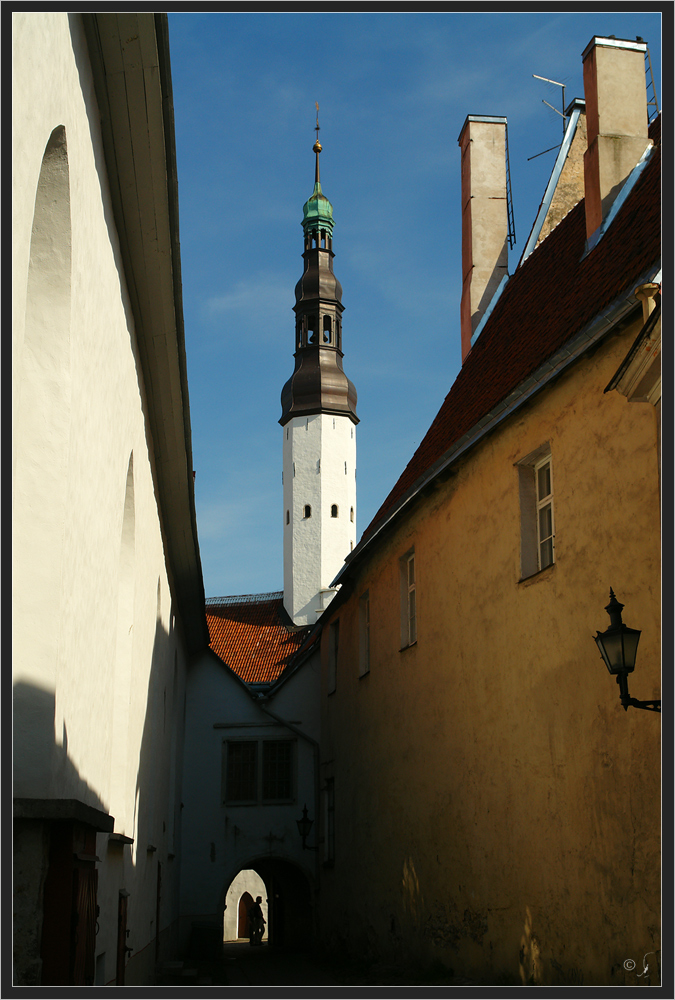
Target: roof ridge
(273, 595)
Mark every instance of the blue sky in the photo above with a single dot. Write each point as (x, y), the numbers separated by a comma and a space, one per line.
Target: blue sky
(394, 91)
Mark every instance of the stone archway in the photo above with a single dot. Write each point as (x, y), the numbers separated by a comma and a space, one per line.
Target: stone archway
(290, 903)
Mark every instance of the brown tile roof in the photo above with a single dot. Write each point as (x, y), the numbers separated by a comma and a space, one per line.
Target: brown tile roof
(253, 635)
(553, 295)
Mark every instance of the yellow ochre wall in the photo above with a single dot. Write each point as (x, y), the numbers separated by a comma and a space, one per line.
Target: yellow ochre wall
(496, 809)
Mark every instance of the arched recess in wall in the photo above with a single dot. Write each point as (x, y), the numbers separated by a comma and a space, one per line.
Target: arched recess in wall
(42, 424)
(124, 660)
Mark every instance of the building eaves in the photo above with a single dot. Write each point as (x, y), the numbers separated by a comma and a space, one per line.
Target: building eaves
(129, 56)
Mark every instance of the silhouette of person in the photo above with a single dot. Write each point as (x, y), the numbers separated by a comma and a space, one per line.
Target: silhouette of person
(256, 921)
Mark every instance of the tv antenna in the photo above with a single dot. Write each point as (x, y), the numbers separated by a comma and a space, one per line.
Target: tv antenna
(561, 113)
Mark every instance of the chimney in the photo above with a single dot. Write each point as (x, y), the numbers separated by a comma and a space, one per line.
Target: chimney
(616, 119)
(485, 255)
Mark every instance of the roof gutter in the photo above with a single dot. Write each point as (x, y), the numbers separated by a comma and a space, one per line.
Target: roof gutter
(588, 337)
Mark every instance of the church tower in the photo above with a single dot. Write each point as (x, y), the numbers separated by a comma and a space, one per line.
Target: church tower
(318, 418)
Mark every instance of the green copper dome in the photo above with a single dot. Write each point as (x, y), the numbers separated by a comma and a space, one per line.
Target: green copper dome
(317, 212)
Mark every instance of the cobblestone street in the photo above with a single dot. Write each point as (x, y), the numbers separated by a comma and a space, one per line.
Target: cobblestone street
(241, 965)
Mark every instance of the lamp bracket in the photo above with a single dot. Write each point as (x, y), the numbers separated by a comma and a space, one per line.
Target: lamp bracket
(651, 706)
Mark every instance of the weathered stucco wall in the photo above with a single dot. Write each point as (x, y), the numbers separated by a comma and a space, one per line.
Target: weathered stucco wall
(99, 662)
(496, 806)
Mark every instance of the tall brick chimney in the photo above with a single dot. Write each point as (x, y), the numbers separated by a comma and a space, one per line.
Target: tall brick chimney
(616, 118)
(485, 255)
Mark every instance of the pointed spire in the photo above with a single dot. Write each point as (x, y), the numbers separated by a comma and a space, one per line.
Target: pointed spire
(317, 211)
(317, 148)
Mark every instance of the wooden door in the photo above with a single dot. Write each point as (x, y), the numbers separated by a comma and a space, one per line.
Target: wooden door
(83, 934)
(121, 937)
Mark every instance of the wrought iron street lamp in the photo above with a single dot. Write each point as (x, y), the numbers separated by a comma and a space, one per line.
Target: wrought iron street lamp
(618, 648)
(304, 826)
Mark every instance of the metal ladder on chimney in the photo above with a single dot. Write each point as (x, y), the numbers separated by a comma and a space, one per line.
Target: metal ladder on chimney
(652, 101)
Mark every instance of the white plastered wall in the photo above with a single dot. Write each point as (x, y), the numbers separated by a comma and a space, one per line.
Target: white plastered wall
(319, 462)
(98, 663)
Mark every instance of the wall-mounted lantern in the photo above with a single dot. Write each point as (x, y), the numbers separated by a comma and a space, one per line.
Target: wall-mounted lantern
(304, 826)
(618, 648)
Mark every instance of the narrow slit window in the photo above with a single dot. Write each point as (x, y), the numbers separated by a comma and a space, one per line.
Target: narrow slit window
(288, 517)
(364, 634)
(334, 510)
(408, 600)
(308, 510)
(326, 330)
(333, 647)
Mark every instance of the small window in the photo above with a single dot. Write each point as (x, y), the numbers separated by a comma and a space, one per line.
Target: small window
(364, 634)
(351, 514)
(308, 510)
(345, 468)
(326, 330)
(247, 784)
(277, 770)
(333, 647)
(537, 524)
(408, 600)
(241, 771)
(288, 517)
(334, 510)
(544, 513)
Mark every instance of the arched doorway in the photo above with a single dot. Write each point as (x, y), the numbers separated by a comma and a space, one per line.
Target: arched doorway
(287, 903)
(242, 891)
(245, 904)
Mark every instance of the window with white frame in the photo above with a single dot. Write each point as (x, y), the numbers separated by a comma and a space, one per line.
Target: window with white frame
(408, 599)
(258, 771)
(364, 634)
(537, 521)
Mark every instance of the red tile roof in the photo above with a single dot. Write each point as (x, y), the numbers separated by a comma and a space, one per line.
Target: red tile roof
(553, 295)
(253, 635)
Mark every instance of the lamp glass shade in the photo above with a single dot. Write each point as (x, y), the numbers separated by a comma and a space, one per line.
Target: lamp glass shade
(304, 825)
(618, 648)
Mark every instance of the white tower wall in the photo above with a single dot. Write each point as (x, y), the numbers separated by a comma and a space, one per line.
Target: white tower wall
(319, 470)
